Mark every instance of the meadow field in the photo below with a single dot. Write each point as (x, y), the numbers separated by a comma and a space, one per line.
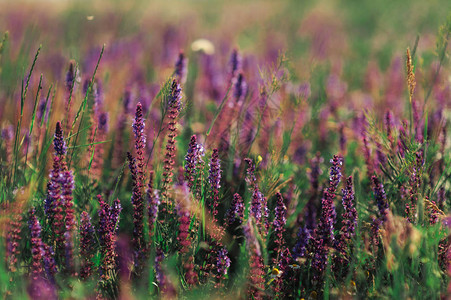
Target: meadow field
(225, 149)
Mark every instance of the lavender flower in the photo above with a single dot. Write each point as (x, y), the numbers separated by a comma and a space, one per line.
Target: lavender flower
(300, 248)
(350, 214)
(324, 233)
(250, 175)
(192, 159)
(239, 89)
(58, 142)
(381, 198)
(214, 179)
(181, 68)
(108, 218)
(87, 242)
(53, 190)
(234, 63)
(223, 261)
(71, 76)
(67, 184)
(256, 205)
(174, 103)
(137, 171)
(49, 263)
(236, 210)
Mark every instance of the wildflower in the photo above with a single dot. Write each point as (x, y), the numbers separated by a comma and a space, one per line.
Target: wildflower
(300, 248)
(58, 141)
(181, 68)
(72, 77)
(223, 261)
(214, 179)
(279, 222)
(12, 241)
(67, 184)
(87, 242)
(236, 210)
(239, 89)
(37, 251)
(275, 273)
(192, 159)
(381, 198)
(256, 205)
(324, 233)
(108, 220)
(174, 103)
(251, 179)
(49, 263)
(235, 63)
(350, 213)
(138, 210)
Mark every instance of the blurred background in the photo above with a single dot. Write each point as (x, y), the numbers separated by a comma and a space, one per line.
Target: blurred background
(347, 33)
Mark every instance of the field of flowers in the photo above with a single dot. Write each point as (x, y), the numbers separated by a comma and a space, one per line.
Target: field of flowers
(225, 150)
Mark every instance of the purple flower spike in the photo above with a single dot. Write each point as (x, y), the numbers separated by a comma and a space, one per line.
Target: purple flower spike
(256, 205)
(239, 89)
(71, 76)
(223, 261)
(181, 68)
(350, 214)
(236, 210)
(174, 103)
(58, 142)
(87, 242)
(37, 250)
(381, 198)
(234, 63)
(300, 248)
(215, 179)
(192, 159)
(324, 233)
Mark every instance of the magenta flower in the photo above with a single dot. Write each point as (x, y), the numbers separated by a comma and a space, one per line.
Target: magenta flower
(37, 250)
